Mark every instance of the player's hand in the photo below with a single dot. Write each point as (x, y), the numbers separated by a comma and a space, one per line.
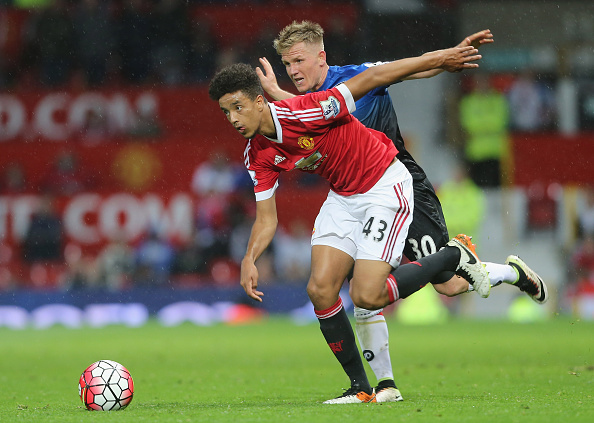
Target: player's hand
(267, 76)
(249, 280)
(477, 39)
(457, 59)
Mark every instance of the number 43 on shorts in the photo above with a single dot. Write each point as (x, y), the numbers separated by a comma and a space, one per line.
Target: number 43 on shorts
(378, 230)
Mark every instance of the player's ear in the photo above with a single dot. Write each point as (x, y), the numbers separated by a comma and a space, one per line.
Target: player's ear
(260, 102)
(322, 56)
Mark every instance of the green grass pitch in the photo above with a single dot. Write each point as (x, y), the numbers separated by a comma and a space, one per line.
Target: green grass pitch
(462, 371)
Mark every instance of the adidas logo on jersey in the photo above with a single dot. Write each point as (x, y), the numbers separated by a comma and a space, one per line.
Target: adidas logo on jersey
(278, 159)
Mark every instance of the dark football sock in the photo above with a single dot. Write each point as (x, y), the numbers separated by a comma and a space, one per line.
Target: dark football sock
(337, 331)
(442, 277)
(409, 278)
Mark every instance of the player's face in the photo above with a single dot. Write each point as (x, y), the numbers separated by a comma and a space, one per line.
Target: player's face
(244, 114)
(305, 64)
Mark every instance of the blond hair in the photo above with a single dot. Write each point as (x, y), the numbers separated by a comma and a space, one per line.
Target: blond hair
(305, 31)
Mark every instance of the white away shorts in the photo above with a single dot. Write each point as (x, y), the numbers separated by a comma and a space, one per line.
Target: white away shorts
(369, 226)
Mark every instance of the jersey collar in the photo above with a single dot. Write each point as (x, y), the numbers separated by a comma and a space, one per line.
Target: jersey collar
(277, 125)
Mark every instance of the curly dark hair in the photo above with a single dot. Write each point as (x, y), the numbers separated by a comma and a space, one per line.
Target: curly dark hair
(237, 77)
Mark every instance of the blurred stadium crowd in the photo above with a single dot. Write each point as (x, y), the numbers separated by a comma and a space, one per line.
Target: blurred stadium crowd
(54, 46)
(92, 42)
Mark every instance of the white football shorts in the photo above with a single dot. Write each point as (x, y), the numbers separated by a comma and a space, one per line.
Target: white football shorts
(369, 226)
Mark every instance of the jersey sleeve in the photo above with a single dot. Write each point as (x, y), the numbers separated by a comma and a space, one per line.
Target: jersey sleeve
(323, 108)
(264, 177)
(348, 97)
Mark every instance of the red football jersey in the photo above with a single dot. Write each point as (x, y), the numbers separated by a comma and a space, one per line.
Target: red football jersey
(317, 134)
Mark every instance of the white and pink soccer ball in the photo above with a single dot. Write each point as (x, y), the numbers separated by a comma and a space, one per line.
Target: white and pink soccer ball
(106, 385)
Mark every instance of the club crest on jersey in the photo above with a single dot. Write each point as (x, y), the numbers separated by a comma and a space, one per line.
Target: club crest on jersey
(330, 107)
(306, 143)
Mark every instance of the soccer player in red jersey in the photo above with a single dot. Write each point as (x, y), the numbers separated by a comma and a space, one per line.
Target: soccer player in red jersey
(301, 47)
(366, 216)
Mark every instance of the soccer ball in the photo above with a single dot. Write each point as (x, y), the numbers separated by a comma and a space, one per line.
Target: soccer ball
(106, 385)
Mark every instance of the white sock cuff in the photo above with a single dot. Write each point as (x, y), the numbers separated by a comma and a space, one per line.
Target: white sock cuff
(362, 313)
(500, 273)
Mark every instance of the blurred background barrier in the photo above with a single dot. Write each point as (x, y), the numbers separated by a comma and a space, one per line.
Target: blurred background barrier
(133, 308)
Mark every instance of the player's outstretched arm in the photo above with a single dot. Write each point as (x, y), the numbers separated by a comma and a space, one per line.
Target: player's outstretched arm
(262, 233)
(452, 60)
(268, 81)
(475, 40)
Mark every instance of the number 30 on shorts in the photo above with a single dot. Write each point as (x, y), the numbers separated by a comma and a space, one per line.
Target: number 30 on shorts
(426, 247)
(378, 230)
